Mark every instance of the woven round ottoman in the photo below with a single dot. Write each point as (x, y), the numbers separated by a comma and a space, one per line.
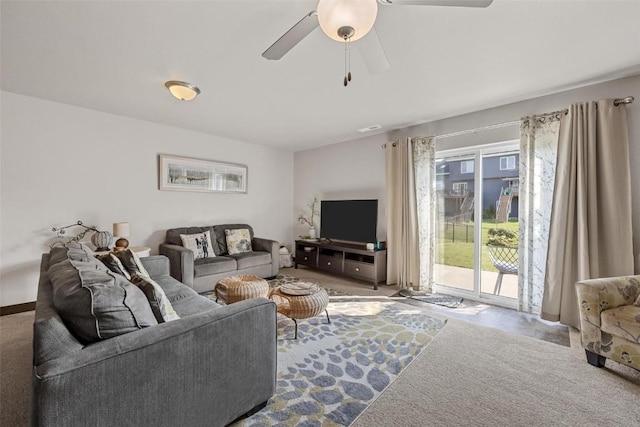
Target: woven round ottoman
(300, 300)
(237, 288)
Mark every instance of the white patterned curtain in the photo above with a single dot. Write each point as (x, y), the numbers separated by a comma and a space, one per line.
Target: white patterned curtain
(538, 152)
(424, 156)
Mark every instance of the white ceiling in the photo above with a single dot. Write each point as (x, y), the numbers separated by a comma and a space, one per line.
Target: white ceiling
(115, 56)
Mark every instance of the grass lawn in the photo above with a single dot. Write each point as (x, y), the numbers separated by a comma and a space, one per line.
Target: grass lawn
(459, 253)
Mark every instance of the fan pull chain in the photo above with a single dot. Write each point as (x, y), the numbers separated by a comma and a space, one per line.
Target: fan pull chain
(347, 61)
(346, 82)
(349, 75)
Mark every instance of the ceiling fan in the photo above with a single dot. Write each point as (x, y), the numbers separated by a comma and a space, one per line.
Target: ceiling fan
(351, 20)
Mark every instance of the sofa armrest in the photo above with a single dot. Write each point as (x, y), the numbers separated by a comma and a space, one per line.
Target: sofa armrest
(214, 366)
(181, 261)
(271, 246)
(597, 295)
(156, 265)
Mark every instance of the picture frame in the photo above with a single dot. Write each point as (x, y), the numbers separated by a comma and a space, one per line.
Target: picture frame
(189, 174)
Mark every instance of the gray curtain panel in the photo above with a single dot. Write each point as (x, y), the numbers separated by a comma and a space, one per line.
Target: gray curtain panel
(590, 233)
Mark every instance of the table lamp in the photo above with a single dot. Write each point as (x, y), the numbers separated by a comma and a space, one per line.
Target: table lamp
(121, 229)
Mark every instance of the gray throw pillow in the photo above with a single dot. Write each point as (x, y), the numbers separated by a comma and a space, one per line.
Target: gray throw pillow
(96, 303)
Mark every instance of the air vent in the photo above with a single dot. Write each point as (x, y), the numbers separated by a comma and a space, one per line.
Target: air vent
(370, 128)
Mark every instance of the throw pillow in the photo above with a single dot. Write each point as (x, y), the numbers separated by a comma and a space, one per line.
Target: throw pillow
(113, 263)
(131, 262)
(238, 241)
(199, 243)
(160, 304)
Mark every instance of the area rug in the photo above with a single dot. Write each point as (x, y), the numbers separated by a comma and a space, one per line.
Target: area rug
(443, 300)
(333, 372)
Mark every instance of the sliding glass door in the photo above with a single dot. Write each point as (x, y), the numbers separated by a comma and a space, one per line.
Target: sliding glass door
(477, 223)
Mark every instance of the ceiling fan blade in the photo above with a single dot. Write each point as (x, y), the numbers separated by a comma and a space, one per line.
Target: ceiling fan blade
(373, 53)
(455, 3)
(292, 37)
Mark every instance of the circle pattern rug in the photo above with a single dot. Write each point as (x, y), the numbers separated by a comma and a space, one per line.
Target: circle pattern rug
(334, 371)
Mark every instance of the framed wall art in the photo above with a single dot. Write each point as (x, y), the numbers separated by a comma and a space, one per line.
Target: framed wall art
(188, 174)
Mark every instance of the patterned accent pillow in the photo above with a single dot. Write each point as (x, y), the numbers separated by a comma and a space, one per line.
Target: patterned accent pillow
(131, 262)
(160, 304)
(199, 243)
(238, 241)
(113, 263)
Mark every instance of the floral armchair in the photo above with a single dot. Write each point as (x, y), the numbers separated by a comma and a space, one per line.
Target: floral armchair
(610, 319)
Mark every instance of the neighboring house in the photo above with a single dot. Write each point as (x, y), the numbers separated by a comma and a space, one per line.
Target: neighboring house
(455, 181)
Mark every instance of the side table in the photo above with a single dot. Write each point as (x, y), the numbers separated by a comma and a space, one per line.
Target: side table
(300, 306)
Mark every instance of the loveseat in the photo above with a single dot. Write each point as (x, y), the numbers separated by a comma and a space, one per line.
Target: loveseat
(610, 319)
(207, 368)
(202, 274)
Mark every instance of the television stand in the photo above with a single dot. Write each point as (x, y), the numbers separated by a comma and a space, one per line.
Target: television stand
(349, 259)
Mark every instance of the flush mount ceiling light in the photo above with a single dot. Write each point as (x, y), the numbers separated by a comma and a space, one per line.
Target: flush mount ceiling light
(182, 90)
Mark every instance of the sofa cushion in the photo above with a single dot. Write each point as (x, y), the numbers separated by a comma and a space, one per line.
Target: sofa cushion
(199, 243)
(221, 236)
(173, 236)
(252, 259)
(209, 266)
(621, 321)
(96, 303)
(238, 241)
(184, 299)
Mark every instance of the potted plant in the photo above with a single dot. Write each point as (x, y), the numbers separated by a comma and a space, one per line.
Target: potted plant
(302, 219)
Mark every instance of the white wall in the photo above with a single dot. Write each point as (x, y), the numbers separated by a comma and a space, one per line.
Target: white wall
(61, 164)
(356, 167)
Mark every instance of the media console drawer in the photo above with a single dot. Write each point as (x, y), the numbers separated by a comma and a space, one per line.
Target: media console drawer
(359, 269)
(330, 263)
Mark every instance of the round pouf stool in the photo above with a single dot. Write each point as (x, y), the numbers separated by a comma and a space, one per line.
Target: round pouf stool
(300, 300)
(237, 288)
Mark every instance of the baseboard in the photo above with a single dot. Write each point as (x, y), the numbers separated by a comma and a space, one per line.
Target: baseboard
(17, 308)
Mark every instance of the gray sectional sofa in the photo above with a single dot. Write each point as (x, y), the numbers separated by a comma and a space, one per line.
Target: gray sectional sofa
(207, 368)
(202, 274)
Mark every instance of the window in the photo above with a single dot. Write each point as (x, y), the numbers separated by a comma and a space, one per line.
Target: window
(459, 187)
(466, 166)
(439, 185)
(507, 163)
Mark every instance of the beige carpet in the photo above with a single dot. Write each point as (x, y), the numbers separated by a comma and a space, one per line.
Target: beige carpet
(472, 375)
(469, 375)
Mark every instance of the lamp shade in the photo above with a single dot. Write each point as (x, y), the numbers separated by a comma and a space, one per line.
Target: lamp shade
(121, 229)
(357, 14)
(182, 90)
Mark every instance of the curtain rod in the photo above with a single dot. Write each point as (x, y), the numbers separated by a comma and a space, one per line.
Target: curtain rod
(616, 102)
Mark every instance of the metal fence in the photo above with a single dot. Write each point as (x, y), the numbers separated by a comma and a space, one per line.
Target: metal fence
(449, 231)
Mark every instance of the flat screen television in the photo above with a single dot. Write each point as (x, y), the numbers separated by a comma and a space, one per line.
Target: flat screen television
(350, 220)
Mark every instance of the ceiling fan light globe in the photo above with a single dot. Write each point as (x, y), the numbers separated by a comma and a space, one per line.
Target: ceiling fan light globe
(358, 14)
